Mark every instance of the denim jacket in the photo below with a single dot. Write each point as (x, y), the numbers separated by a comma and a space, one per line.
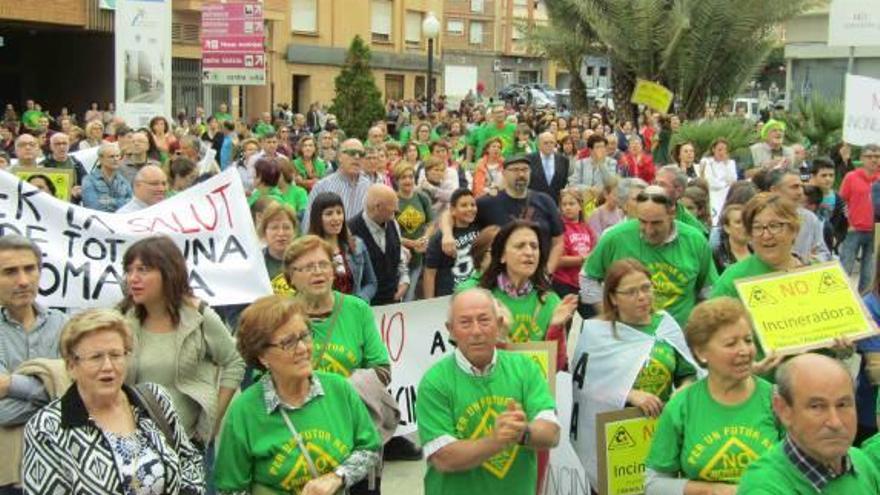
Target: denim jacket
(365, 283)
(98, 194)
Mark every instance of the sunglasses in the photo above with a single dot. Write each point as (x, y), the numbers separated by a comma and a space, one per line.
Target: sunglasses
(654, 198)
(355, 153)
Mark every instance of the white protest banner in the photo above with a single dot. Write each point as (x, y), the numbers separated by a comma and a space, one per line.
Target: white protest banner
(83, 248)
(565, 473)
(416, 337)
(861, 121)
(88, 157)
(143, 60)
(853, 23)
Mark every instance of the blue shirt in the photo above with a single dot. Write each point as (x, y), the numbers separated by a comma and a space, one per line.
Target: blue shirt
(100, 193)
(226, 152)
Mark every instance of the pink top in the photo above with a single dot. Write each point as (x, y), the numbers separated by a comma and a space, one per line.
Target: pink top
(578, 239)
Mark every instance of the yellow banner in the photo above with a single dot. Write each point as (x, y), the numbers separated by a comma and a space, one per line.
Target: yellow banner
(543, 353)
(652, 95)
(60, 180)
(624, 442)
(804, 309)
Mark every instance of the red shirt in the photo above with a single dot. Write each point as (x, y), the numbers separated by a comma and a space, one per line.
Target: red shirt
(856, 193)
(578, 239)
(643, 169)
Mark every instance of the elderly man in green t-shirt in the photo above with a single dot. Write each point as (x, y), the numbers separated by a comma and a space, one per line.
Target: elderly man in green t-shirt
(674, 181)
(676, 254)
(815, 401)
(482, 413)
(497, 127)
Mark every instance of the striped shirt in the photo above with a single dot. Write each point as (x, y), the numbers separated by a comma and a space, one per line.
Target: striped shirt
(353, 194)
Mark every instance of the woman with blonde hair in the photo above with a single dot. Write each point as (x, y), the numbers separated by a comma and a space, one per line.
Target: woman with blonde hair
(94, 135)
(103, 436)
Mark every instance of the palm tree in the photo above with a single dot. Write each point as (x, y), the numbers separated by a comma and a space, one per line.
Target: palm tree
(704, 50)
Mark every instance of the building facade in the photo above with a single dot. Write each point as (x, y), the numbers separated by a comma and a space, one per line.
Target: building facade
(813, 67)
(487, 35)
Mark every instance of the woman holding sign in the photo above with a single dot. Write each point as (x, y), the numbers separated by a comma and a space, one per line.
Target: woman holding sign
(632, 355)
(710, 432)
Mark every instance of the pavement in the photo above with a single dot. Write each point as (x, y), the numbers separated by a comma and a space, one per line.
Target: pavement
(403, 478)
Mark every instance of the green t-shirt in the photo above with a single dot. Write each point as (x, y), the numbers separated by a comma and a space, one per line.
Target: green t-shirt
(699, 439)
(454, 403)
(530, 321)
(871, 446)
(355, 342)
(685, 217)
(663, 367)
(478, 137)
(318, 165)
(414, 215)
(751, 266)
(470, 282)
(679, 269)
(295, 197)
(31, 118)
(275, 269)
(257, 447)
(262, 128)
(774, 474)
(222, 117)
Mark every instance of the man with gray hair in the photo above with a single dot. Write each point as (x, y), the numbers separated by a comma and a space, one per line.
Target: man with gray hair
(815, 401)
(105, 188)
(483, 413)
(61, 158)
(27, 150)
(136, 157)
(627, 191)
(150, 186)
(348, 181)
(27, 331)
(674, 181)
(810, 244)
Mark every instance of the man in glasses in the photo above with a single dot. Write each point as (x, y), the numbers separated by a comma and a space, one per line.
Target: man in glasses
(810, 242)
(150, 186)
(348, 181)
(674, 181)
(856, 193)
(677, 255)
(27, 331)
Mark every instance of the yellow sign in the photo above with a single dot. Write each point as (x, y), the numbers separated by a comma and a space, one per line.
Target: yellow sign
(804, 309)
(55, 181)
(652, 95)
(624, 440)
(543, 353)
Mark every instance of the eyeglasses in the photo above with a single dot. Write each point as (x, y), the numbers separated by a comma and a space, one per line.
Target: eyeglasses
(318, 267)
(291, 342)
(775, 228)
(355, 153)
(96, 360)
(646, 289)
(660, 199)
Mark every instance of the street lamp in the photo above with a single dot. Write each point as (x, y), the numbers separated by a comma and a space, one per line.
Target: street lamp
(430, 28)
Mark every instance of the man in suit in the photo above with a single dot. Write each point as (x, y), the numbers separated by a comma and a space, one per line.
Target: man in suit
(549, 170)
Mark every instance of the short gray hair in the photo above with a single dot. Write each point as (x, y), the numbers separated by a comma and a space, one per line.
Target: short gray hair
(626, 185)
(102, 149)
(472, 290)
(680, 178)
(15, 242)
(784, 386)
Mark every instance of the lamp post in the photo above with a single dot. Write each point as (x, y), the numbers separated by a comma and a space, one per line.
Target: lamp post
(430, 28)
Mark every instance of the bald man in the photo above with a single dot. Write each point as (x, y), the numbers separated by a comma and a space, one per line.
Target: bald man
(381, 233)
(549, 169)
(150, 185)
(815, 401)
(348, 181)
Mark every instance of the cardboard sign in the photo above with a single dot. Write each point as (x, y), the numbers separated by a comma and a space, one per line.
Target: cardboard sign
(544, 354)
(624, 440)
(60, 178)
(861, 117)
(804, 309)
(652, 95)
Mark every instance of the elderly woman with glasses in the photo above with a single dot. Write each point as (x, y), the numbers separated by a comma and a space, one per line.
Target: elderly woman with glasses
(297, 430)
(103, 436)
(633, 355)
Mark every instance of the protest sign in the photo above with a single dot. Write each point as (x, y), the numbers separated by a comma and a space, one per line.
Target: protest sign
(415, 336)
(861, 117)
(804, 309)
(624, 440)
(565, 472)
(543, 353)
(62, 179)
(652, 95)
(83, 248)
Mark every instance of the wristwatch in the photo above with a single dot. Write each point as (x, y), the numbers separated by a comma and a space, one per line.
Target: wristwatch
(526, 436)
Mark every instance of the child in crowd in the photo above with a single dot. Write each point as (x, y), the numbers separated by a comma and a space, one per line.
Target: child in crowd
(442, 272)
(578, 241)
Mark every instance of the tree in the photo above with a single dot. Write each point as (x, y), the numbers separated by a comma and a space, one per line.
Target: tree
(703, 51)
(358, 102)
(566, 41)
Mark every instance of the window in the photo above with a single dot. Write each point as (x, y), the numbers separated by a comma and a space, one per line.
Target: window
(477, 6)
(521, 3)
(455, 26)
(413, 30)
(304, 16)
(476, 37)
(381, 20)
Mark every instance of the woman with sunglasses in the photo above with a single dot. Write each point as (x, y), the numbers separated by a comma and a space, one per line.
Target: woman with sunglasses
(297, 430)
(631, 356)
